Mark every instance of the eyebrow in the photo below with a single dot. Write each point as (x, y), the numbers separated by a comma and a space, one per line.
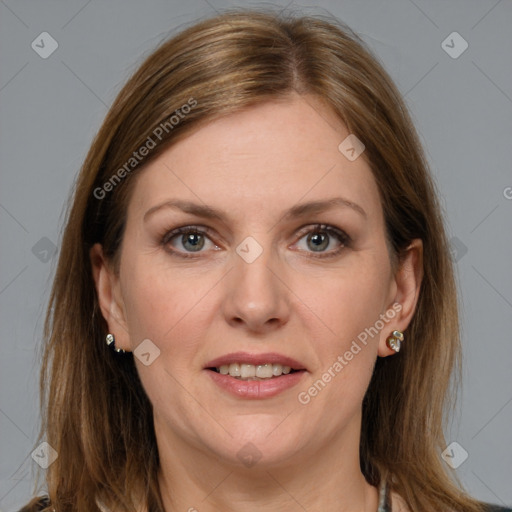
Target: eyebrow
(300, 210)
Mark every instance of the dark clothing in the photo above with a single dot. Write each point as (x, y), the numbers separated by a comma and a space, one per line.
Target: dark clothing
(40, 505)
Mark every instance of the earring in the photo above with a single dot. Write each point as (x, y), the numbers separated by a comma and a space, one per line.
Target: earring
(394, 341)
(111, 343)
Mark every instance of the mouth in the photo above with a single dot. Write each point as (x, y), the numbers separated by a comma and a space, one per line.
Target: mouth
(247, 375)
(247, 371)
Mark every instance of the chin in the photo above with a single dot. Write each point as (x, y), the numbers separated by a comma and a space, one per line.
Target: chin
(259, 442)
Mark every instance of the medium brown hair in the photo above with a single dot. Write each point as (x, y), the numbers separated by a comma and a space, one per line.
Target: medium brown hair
(95, 411)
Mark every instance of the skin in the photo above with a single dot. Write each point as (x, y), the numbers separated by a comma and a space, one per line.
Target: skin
(254, 165)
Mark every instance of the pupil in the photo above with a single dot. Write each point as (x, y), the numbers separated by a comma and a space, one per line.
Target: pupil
(193, 239)
(318, 240)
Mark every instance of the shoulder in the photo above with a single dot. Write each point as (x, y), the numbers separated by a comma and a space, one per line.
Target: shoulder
(36, 505)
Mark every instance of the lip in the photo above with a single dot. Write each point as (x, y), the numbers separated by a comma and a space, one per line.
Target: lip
(255, 389)
(255, 359)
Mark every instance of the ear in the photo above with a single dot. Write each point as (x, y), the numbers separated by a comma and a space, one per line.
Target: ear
(109, 297)
(406, 290)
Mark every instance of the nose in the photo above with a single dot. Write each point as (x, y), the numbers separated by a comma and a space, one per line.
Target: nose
(256, 297)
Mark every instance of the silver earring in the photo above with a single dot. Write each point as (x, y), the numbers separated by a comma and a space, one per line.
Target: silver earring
(111, 343)
(394, 341)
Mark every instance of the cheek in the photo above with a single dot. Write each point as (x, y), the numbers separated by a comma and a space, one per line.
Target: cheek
(353, 303)
(344, 330)
(164, 306)
(345, 303)
(345, 347)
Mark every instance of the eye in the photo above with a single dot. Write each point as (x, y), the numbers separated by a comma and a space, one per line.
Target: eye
(320, 237)
(190, 238)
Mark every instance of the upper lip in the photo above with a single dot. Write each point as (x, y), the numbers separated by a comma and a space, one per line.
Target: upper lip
(255, 359)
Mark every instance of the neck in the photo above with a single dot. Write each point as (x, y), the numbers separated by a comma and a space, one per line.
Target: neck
(324, 478)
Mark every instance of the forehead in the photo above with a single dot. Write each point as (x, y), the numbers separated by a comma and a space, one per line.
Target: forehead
(267, 157)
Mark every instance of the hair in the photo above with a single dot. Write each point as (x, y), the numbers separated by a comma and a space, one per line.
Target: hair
(95, 412)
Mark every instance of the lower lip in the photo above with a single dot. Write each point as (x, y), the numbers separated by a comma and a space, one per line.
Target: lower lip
(256, 389)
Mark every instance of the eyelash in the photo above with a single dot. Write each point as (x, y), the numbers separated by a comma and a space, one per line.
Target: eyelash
(342, 237)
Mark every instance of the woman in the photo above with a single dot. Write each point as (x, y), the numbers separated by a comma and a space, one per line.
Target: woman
(254, 306)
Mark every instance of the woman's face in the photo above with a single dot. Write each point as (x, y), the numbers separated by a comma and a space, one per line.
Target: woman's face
(255, 282)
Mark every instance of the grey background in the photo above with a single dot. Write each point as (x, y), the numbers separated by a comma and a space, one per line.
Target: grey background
(51, 108)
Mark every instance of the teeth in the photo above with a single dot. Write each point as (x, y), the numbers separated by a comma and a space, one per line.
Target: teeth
(247, 370)
(234, 370)
(277, 370)
(253, 372)
(264, 371)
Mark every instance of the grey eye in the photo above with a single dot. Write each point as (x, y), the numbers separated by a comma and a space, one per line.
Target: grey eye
(196, 241)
